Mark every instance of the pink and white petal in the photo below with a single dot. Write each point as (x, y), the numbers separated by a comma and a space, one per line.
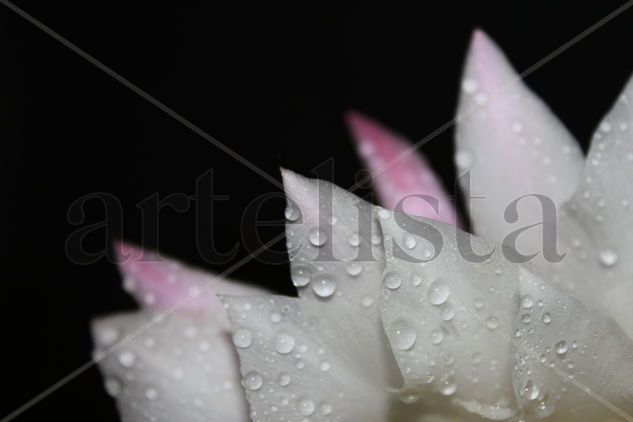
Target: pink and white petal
(595, 225)
(159, 283)
(569, 362)
(398, 172)
(512, 145)
(448, 319)
(181, 369)
(322, 355)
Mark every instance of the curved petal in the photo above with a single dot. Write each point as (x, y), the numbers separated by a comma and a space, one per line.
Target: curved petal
(596, 223)
(322, 355)
(569, 362)
(182, 369)
(448, 313)
(398, 172)
(512, 145)
(166, 366)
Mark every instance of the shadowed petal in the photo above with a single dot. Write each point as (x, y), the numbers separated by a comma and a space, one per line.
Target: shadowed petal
(398, 172)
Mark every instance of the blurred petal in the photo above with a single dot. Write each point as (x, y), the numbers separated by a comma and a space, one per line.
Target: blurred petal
(448, 319)
(568, 360)
(512, 144)
(398, 173)
(181, 369)
(596, 224)
(324, 354)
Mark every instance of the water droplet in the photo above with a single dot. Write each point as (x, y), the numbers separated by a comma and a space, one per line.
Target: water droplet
(127, 359)
(463, 159)
(526, 318)
(438, 292)
(546, 318)
(151, 394)
(274, 317)
(561, 347)
(608, 257)
(354, 239)
(492, 323)
(527, 302)
(325, 408)
(324, 285)
(530, 390)
(479, 303)
(392, 280)
(284, 343)
(242, 338)
(317, 237)
(305, 406)
(367, 301)
(300, 275)
(253, 381)
(447, 312)
(113, 386)
(409, 242)
(469, 86)
(416, 280)
(354, 269)
(107, 336)
(448, 387)
(409, 398)
(404, 335)
(325, 366)
(517, 127)
(383, 214)
(437, 336)
(292, 213)
(284, 380)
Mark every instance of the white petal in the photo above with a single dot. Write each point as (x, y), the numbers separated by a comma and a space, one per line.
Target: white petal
(328, 343)
(182, 369)
(568, 359)
(596, 224)
(448, 319)
(512, 144)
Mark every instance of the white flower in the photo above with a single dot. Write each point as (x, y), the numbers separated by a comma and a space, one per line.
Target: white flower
(395, 339)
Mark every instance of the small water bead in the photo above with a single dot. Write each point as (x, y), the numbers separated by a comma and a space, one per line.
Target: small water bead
(274, 317)
(317, 237)
(392, 280)
(354, 269)
(383, 214)
(448, 387)
(546, 318)
(325, 366)
(284, 380)
(354, 239)
(404, 336)
(409, 242)
(409, 398)
(608, 257)
(113, 386)
(332, 220)
(284, 343)
(292, 213)
(108, 336)
(492, 323)
(437, 336)
(526, 318)
(324, 285)
(300, 275)
(376, 239)
(463, 159)
(438, 292)
(530, 390)
(517, 127)
(545, 409)
(253, 381)
(242, 338)
(127, 359)
(527, 302)
(469, 86)
(367, 301)
(447, 312)
(416, 280)
(479, 303)
(561, 347)
(325, 408)
(151, 394)
(306, 406)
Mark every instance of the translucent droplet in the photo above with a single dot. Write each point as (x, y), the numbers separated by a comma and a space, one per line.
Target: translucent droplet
(325, 366)
(325, 408)
(354, 269)
(526, 318)
(284, 380)
(300, 275)
(409, 242)
(608, 257)
(113, 386)
(354, 239)
(561, 347)
(324, 285)
(438, 292)
(242, 338)
(367, 301)
(151, 394)
(305, 406)
(463, 159)
(530, 390)
(284, 343)
(447, 312)
(479, 303)
(274, 317)
(527, 302)
(404, 336)
(492, 323)
(448, 387)
(127, 359)
(253, 381)
(409, 398)
(392, 280)
(547, 318)
(437, 336)
(416, 280)
(469, 86)
(317, 237)
(292, 213)
(383, 214)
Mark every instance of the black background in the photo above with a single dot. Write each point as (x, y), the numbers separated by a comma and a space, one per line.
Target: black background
(271, 82)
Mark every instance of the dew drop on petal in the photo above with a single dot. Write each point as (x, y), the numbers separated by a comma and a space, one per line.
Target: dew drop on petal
(354, 269)
(324, 285)
(448, 387)
(306, 406)
(253, 381)
(463, 159)
(127, 359)
(151, 394)
(404, 336)
(292, 213)
(325, 408)
(242, 338)
(527, 302)
(530, 390)
(409, 397)
(546, 318)
(438, 292)
(437, 336)
(561, 347)
(608, 257)
(317, 237)
(284, 343)
(300, 275)
(284, 380)
(367, 301)
(447, 312)
(392, 280)
(409, 242)
(113, 386)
